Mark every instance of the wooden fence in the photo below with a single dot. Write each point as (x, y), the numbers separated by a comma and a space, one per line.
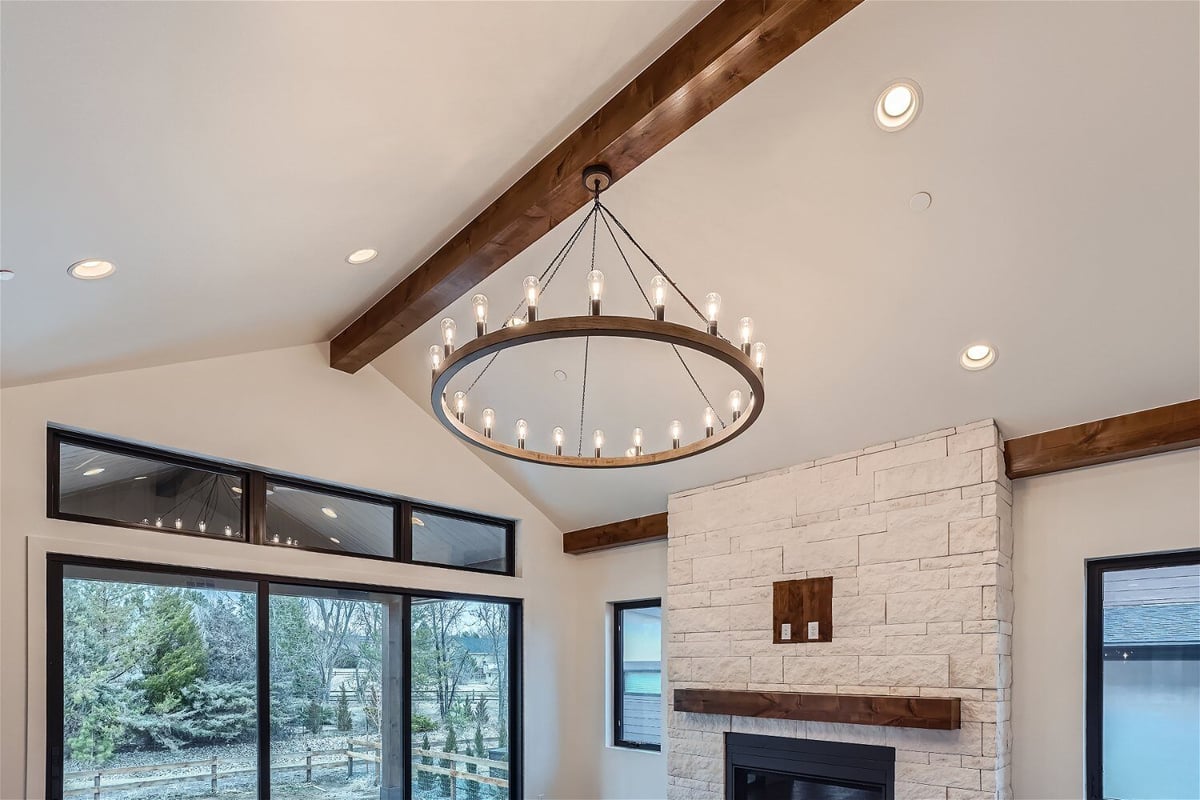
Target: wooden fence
(210, 769)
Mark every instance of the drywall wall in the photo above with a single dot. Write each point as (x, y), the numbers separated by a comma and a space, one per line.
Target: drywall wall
(285, 410)
(638, 572)
(1138, 506)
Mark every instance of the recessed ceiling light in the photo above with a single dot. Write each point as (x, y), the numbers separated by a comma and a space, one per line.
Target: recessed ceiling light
(335, 540)
(329, 512)
(418, 521)
(7, 274)
(236, 489)
(362, 256)
(560, 375)
(920, 201)
(978, 356)
(141, 477)
(94, 471)
(91, 269)
(898, 105)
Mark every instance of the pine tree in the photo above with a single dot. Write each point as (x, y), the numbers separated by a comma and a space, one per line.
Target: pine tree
(177, 657)
(451, 746)
(425, 779)
(472, 768)
(316, 717)
(344, 720)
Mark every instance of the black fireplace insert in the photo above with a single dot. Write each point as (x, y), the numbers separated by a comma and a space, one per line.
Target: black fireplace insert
(775, 768)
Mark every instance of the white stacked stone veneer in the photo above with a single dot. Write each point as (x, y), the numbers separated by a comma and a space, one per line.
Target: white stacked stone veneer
(917, 535)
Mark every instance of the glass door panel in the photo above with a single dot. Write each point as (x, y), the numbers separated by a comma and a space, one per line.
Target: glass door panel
(158, 685)
(461, 719)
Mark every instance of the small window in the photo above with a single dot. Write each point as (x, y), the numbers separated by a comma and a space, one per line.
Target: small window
(1143, 676)
(467, 542)
(637, 667)
(316, 520)
(105, 484)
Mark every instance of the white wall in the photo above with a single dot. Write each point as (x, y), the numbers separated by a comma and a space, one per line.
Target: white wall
(1139, 506)
(638, 572)
(285, 410)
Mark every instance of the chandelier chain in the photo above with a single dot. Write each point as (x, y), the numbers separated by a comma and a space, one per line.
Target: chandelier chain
(650, 305)
(587, 342)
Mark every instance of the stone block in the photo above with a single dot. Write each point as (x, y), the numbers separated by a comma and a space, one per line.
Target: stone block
(974, 536)
(722, 567)
(972, 439)
(938, 775)
(904, 670)
(964, 644)
(928, 476)
(728, 671)
(679, 573)
(813, 495)
(858, 610)
(820, 670)
(904, 790)
(689, 620)
(688, 599)
(740, 597)
(903, 544)
(900, 456)
(934, 606)
(820, 555)
(766, 669)
(908, 581)
(951, 510)
(841, 528)
(973, 670)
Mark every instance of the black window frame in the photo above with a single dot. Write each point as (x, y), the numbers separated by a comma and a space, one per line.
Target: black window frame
(1096, 568)
(254, 500)
(55, 563)
(618, 682)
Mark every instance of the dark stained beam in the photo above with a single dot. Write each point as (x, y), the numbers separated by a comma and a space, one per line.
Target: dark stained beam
(726, 51)
(1141, 433)
(933, 713)
(616, 534)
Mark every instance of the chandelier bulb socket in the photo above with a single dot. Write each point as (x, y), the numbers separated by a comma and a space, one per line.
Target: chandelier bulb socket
(533, 313)
(480, 328)
(487, 431)
(597, 452)
(746, 348)
(736, 414)
(447, 349)
(521, 444)
(712, 327)
(674, 443)
(708, 430)
(594, 308)
(660, 313)
(558, 449)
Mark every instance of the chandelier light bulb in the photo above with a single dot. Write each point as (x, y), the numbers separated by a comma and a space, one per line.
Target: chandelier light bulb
(760, 355)
(158, 522)
(178, 524)
(676, 432)
(460, 405)
(658, 296)
(598, 440)
(203, 526)
(480, 305)
(735, 403)
(710, 418)
(746, 329)
(595, 282)
(558, 434)
(489, 422)
(229, 530)
(522, 432)
(638, 436)
(449, 327)
(712, 309)
(533, 291)
(631, 452)
(435, 357)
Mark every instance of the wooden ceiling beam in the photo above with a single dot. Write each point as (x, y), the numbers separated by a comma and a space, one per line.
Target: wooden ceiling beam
(616, 534)
(725, 52)
(1142, 433)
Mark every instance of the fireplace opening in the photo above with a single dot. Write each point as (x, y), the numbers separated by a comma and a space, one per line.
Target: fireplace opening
(774, 768)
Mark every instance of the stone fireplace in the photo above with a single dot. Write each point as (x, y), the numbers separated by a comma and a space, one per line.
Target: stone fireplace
(917, 536)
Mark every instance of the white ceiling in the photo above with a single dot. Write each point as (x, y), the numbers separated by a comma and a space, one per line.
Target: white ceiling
(1059, 144)
(228, 156)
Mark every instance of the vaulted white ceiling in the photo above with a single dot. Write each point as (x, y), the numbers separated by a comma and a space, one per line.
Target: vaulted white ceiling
(228, 157)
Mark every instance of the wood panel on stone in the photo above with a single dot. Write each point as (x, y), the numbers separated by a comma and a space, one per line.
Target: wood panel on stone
(1141, 433)
(932, 713)
(800, 602)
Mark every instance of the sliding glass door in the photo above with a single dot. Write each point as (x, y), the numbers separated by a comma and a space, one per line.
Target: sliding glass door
(174, 684)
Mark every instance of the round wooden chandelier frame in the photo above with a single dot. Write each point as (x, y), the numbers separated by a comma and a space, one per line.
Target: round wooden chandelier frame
(606, 327)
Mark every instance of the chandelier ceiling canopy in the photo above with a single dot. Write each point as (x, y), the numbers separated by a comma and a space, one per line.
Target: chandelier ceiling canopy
(547, 441)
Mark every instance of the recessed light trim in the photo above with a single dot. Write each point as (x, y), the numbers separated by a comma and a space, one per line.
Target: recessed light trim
(329, 512)
(977, 356)
(91, 269)
(898, 105)
(418, 521)
(7, 274)
(335, 540)
(93, 471)
(362, 256)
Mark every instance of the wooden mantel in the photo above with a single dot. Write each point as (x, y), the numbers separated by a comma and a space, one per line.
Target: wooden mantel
(933, 713)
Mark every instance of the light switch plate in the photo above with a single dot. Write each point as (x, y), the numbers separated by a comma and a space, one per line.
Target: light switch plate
(785, 630)
(814, 630)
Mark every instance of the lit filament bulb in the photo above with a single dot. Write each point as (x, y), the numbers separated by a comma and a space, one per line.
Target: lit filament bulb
(676, 432)
(595, 283)
(658, 296)
(710, 418)
(631, 452)
(760, 356)
(712, 309)
(435, 357)
(533, 292)
(203, 526)
(735, 403)
(229, 530)
(598, 440)
(449, 327)
(637, 441)
(522, 432)
(178, 524)
(158, 522)
(559, 434)
(746, 329)
(460, 405)
(479, 303)
(489, 421)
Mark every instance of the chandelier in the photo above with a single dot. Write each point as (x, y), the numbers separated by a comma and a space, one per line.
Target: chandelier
(547, 444)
